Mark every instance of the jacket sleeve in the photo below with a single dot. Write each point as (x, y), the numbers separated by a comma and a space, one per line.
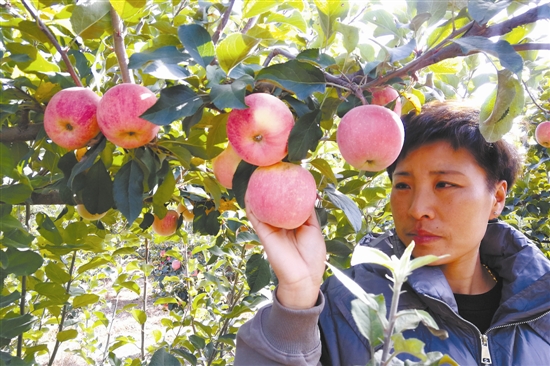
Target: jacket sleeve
(281, 336)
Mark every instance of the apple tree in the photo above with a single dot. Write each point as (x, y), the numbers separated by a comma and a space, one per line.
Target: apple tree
(61, 264)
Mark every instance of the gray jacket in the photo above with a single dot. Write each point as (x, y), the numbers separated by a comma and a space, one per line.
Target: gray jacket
(519, 333)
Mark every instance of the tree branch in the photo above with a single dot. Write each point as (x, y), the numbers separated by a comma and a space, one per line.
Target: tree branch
(223, 23)
(530, 16)
(120, 48)
(21, 133)
(52, 39)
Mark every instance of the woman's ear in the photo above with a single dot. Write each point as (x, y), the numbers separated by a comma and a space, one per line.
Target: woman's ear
(499, 198)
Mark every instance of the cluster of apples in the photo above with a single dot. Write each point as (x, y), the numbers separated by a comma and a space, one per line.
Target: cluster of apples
(259, 135)
(283, 194)
(74, 116)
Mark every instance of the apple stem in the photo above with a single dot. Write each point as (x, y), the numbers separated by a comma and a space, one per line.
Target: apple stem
(120, 48)
(53, 40)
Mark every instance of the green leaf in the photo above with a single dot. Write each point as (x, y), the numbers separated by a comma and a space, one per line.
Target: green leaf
(384, 20)
(15, 193)
(305, 135)
(206, 220)
(14, 234)
(128, 190)
(47, 229)
(350, 35)
(434, 8)
(258, 274)
(251, 8)
(313, 55)
(84, 164)
(411, 346)
(66, 335)
(161, 63)
(6, 300)
(301, 78)
(174, 103)
(240, 180)
(347, 205)
(128, 8)
(369, 321)
(338, 248)
(163, 358)
(12, 327)
(97, 194)
(506, 54)
(410, 318)
(234, 49)
(164, 191)
(482, 10)
(93, 263)
(198, 43)
(229, 95)
(56, 274)
(139, 316)
(295, 19)
(503, 105)
(9, 360)
(329, 11)
(324, 167)
(88, 13)
(354, 288)
(7, 163)
(53, 291)
(197, 341)
(85, 300)
(22, 262)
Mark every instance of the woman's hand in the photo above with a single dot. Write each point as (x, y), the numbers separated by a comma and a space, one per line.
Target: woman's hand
(297, 258)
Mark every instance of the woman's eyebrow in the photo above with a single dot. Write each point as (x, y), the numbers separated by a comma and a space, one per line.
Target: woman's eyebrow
(405, 173)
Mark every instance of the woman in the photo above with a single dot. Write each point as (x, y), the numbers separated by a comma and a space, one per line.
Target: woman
(491, 293)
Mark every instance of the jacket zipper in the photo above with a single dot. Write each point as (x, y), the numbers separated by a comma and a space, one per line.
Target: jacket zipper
(485, 352)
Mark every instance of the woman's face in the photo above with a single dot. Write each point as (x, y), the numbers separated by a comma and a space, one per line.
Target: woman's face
(440, 199)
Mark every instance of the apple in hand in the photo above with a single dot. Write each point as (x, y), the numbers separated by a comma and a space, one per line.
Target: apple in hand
(167, 225)
(281, 195)
(225, 165)
(259, 134)
(118, 115)
(85, 214)
(370, 137)
(542, 134)
(70, 117)
(384, 95)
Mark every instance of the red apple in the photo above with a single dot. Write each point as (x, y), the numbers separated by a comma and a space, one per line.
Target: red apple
(259, 134)
(176, 265)
(70, 117)
(118, 115)
(384, 95)
(370, 137)
(85, 214)
(282, 195)
(542, 134)
(225, 165)
(167, 225)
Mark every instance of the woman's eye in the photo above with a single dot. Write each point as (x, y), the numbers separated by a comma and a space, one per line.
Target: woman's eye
(401, 186)
(444, 185)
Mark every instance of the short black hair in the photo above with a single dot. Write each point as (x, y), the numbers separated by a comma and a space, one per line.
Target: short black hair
(458, 124)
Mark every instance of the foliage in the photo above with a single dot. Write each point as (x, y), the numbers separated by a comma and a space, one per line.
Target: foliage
(201, 58)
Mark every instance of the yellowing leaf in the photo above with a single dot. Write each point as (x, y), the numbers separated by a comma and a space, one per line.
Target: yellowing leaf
(233, 49)
(46, 91)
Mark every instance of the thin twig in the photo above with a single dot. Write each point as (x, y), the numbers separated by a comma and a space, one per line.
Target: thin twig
(110, 329)
(120, 48)
(64, 311)
(533, 98)
(144, 299)
(249, 24)
(53, 40)
(223, 22)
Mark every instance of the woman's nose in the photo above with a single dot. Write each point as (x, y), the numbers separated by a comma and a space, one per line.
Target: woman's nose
(421, 204)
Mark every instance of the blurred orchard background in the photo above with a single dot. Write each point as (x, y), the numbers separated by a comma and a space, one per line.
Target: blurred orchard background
(110, 291)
